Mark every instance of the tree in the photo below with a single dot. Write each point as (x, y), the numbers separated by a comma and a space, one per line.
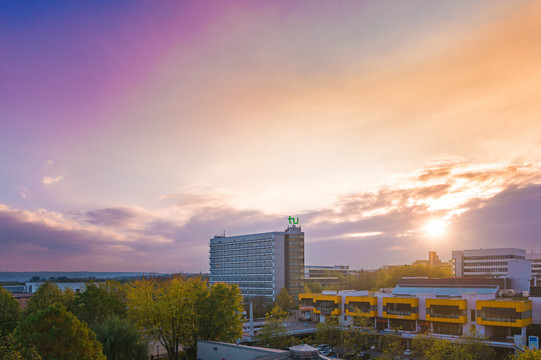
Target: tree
(329, 332)
(421, 343)
(121, 340)
(178, 311)
(284, 300)
(95, 305)
(10, 351)
(393, 347)
(476, 346)
(58, 334)
(47, 294)
(529, 355)
(220, 314)
(274, 330)
(10, 312)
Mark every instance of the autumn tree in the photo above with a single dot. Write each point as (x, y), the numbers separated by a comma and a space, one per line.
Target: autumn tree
(529, 354)
(9, 350)
(220, 313)
(171, 311)
(329, 332)
(95, 305)
(58, 334)
(274, 330)
(47, 294)
(284, 300)
(121, 340)
(10, 311)
(393, 347)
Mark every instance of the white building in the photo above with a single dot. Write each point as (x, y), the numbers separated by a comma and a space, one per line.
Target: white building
(535, 260)
(507, 263)
(260, 264)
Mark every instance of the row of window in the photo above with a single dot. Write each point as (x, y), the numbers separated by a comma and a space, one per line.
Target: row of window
(494, 257)
(242, 257)
(503, 314)
(486, 270)
(494, 263)
(240, 264)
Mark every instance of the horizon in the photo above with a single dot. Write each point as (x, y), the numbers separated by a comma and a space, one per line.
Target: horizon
(134, 132)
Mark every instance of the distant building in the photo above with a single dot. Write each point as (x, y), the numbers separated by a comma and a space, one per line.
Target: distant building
(535, 260)
(76, 287)
(260, 264)
(327, 276)
(214, 350)
(508, 263)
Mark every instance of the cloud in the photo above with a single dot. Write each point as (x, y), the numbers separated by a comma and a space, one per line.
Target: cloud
(48, 180)
(489, 205)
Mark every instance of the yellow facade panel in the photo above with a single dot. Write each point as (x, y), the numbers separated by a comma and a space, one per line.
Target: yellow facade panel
(414, 302)
(413, 316)
(461, 303)
(372, 300)
(518, 323)
(519, 306)
(367, 314)
(460, 320)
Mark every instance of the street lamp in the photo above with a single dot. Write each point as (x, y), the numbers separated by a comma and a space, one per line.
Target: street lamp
(157, 351)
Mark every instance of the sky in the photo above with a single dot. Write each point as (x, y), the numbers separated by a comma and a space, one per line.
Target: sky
(132, 132)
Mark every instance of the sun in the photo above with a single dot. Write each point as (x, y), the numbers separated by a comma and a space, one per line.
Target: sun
(435, 227)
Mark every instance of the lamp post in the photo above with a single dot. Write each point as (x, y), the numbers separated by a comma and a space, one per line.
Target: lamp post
(157, 351)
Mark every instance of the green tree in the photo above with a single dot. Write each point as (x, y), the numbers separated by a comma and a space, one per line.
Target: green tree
(420, 344)
(10, 351)
(95, 305)
(393, 347)
(529, 355)
(166, 309)
(476, 346)
(329, 332)
(178, 311)
(121, 340)
(445, 350)
(274, 330)
(220, 314)
(47, 294)
(58, 335)
(284, 300)
(10, 312)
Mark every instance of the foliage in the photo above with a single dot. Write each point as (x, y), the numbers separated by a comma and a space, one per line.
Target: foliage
(284, 300)
(220, 314)
(58, 334)
(529, 355)
(313, 287)
(473, 347)
(421, 344)
(393, 347)
(383, 278)
(274, 330)
(178, 311)
(10, 312)
(261, 306)
(121, 340)
(47, 294)
(95, 305)
(329, 332)
(9, 350)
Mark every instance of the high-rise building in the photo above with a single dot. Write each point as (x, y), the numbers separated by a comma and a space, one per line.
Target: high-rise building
(509, 263)
(260, 264)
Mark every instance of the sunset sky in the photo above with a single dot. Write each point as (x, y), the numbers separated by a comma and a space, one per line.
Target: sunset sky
(131, 132)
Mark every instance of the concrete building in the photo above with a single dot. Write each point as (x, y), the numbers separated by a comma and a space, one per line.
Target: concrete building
(509, 263)
(260, 264)
(535, 261)
(327, 276)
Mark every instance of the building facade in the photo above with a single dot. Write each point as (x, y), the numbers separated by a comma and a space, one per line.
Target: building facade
(507, 263)
(444, 309)
(327, 276)
(260, 264)
(535, 261)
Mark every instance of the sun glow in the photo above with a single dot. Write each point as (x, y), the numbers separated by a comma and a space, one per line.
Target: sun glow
(435, 227)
